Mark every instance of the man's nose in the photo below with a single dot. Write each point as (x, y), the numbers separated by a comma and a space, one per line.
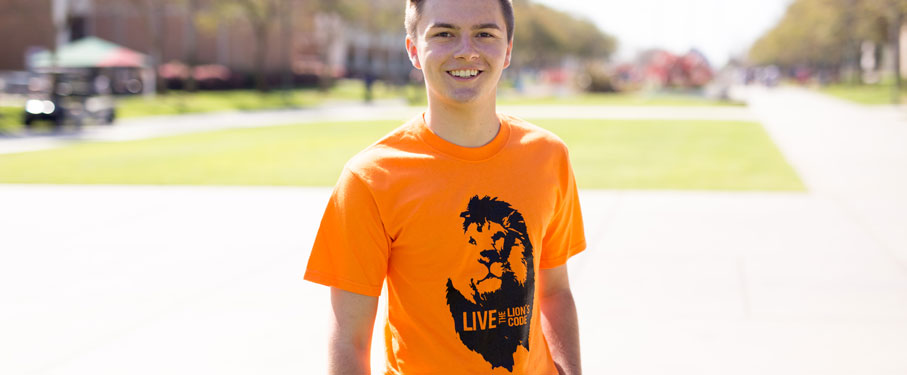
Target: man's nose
(466, 49)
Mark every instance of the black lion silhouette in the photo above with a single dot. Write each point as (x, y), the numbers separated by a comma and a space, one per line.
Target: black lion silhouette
(492, 317)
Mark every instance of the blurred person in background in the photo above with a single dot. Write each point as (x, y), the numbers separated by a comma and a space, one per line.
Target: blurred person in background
(469, 215)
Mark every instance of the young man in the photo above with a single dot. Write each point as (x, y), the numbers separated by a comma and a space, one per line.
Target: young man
(469, 215)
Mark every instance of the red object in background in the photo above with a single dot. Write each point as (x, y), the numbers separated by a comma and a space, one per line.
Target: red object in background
(123, 57)
(178, 70)
(555, 76)
(665, 69)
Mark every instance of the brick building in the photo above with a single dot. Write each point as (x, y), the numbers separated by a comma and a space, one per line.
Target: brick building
(304, 44)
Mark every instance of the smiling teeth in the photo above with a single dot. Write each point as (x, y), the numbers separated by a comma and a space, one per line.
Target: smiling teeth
(464, 73)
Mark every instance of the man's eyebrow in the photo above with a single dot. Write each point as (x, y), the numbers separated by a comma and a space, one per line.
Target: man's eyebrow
(487, 26)
(441, 25)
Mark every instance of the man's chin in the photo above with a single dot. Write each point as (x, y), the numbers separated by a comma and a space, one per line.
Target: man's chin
(468, 96)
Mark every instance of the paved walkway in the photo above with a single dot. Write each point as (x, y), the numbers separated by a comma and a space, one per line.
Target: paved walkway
(195, 280)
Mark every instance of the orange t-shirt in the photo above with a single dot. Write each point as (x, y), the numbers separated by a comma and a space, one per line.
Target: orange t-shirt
(460, 235)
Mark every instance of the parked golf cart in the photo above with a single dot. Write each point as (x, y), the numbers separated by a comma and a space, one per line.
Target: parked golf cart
(79, 98)
(75, 84)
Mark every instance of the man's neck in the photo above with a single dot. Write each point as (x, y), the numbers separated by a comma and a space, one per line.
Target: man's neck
(463, 124)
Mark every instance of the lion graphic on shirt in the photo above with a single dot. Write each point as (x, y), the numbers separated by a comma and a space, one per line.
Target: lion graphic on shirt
(492, 305)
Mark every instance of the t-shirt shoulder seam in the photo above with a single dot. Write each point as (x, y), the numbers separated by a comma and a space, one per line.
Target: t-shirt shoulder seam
(371, 194)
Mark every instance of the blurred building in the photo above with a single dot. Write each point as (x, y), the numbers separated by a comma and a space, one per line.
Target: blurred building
(306, 45)
(32, 25)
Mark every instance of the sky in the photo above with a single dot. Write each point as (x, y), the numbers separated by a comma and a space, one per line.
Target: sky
(719, 28)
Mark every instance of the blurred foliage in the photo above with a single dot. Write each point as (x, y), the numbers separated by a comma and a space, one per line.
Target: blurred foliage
(371, 15)
(827, 33)
(544, 36)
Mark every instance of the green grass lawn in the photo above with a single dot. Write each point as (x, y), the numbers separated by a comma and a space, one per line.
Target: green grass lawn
(178, 102)
(618, 99)
(680, 154)
(606, 154)
(10, 119)
(866, 94)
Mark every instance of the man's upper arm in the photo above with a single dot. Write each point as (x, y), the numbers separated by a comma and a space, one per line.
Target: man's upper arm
(553, 281)
(353, 317)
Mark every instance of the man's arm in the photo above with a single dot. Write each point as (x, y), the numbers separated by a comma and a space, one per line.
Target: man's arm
(559, 321)
(351, 332)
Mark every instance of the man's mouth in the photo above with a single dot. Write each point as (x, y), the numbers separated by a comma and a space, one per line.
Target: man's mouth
(464, 73)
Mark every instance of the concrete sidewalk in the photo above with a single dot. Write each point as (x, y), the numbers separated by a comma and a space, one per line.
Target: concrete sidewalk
(196, 280)
(189, 280)
(854, 154)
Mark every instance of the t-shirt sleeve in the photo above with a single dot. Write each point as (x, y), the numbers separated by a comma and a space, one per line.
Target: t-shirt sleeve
(351, 248)
(565, 236)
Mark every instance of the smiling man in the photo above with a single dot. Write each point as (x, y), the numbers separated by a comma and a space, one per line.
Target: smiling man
(469, 215)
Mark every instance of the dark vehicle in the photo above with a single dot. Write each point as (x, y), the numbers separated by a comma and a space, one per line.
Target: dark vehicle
(69, 97)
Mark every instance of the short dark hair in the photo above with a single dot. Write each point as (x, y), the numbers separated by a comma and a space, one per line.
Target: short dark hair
(414, 12)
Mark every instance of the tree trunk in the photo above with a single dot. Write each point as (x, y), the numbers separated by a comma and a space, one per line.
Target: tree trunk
(287, 48)
(191, 51)
(895, 30)
(155, 20)
(261, 52)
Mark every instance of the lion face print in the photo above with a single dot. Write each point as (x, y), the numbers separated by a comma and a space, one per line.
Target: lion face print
(491, 303)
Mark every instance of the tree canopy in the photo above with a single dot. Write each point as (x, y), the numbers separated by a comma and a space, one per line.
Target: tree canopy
(543, 36)
(827, 33)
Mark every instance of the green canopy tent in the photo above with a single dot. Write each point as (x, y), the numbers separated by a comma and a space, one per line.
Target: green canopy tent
(91, 52)
(96, 53)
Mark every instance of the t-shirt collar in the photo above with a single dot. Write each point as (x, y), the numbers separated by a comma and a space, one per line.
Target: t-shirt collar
(465, 153)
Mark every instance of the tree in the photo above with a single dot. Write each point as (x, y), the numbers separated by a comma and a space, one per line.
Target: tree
(193, 10)
(896, 10)
(545, 36)
(262, 16)
(154, 10)
(826, 33)
(810, 33)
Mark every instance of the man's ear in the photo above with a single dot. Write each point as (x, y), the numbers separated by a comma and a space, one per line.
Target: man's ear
(507, 57)
(413, 52)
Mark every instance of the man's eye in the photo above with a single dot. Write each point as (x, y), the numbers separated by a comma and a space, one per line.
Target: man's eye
(444, 34)
(485, 35)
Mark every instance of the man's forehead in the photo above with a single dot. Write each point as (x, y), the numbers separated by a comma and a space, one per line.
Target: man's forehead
(464, 14)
